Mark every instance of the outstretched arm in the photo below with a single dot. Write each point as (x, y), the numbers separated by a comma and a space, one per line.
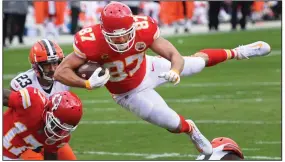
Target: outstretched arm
(66, 75)
(165, 49)
(6, 95)
(65, 71)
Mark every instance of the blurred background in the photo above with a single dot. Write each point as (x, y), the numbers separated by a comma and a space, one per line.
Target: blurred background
(24, 21)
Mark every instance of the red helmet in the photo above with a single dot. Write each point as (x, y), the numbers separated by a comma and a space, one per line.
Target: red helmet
(229, 145)
(62, 116)
(45, 52)
(117, 21)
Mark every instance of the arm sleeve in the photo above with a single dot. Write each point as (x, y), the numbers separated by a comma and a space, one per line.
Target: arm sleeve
(22, 100)
(152, 32)
(77, 48)
(19, 99)
(83, 48)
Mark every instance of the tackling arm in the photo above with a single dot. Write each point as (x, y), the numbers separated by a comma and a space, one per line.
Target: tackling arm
(65, 71)
(6, 95)
(165, 49)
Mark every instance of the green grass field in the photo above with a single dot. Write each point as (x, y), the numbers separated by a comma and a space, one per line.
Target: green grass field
(237, 99)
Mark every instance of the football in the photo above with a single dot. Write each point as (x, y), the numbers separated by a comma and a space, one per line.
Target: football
(86, 70)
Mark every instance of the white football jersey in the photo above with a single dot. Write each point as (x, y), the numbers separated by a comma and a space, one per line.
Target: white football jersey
(218, 154)
(29, 79)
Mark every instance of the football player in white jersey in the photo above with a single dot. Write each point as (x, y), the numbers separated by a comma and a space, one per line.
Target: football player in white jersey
(223, 149)
(45, 56)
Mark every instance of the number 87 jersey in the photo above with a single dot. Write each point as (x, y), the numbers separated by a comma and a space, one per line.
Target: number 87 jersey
(126, 61)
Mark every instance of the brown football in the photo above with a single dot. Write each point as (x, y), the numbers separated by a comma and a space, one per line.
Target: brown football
(86, 70)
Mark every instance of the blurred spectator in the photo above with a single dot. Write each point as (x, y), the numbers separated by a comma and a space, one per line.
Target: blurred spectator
(5, 24)
(152, 9)
(272, 10)
(91, 11)
(188, 10)
(53, 17)
(257, 10)
(178, 13)
(49, 17)
(277, 9)
(213, 14)
(200, 15)
(218, 11)
(134, 5)
(14, 20)
(245, 11)
(75, 10)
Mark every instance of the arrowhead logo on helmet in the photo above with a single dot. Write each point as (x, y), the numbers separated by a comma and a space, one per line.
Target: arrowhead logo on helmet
(63, 114)
(56, 101)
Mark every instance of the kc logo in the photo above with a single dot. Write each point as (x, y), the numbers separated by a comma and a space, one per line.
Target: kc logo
(140, 46)
(56, 101)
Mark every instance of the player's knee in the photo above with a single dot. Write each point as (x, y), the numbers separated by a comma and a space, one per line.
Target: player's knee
(201, 54)
(165, 118)
(193, 65)
(183, 126)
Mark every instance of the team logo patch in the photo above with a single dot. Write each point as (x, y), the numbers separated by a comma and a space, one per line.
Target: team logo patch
(140, 46)
(104, 56)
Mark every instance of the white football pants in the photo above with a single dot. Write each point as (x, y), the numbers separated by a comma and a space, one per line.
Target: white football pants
(6, 158)
(146, 103)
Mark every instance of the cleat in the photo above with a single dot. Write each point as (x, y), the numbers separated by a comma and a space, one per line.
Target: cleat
(202, 144)
(255, 49)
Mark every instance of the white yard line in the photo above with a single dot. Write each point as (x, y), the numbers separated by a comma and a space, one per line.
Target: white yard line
(250, 149)
(183, 85)
(188, 100)
(268, 142)
(121, 122)
(162, 155)
(274, 53)
(221, 84)
(100, 109)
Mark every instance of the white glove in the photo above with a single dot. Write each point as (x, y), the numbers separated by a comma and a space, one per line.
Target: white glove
(95, 81)
(171, 76)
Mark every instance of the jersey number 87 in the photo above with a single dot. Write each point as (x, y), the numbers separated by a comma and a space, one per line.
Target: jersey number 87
(120, 74)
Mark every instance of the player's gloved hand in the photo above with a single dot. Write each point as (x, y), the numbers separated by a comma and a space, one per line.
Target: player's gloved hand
(96, 81)
(171, 76)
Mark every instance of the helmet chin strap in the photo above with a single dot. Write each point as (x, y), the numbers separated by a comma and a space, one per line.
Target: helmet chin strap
(49, 129)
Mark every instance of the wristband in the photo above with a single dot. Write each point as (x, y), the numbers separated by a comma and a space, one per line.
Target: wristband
(87, 85)
(176, 71)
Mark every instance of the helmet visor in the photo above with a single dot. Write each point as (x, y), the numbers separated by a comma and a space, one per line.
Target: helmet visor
(121, 40)
(55, 130)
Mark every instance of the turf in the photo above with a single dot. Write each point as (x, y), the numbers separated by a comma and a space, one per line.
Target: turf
(237, 99)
